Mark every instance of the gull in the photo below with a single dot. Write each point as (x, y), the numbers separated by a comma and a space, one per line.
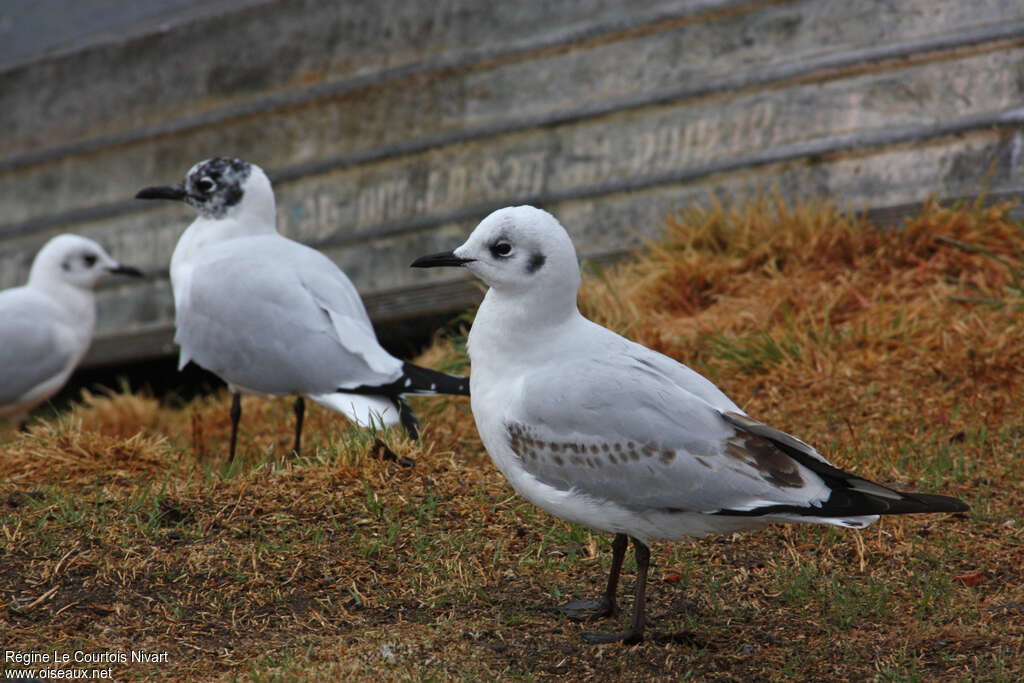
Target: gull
(606, 433)
(269, 315)
(46, 325)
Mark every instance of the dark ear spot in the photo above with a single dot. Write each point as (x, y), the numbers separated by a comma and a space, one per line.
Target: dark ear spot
(65, 265)
(537, 260)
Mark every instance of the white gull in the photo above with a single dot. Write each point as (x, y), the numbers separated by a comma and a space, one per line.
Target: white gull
(269, 315)
(46, 325)
(604, 432)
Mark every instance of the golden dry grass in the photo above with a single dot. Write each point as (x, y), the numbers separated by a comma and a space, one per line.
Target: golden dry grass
(896, 353)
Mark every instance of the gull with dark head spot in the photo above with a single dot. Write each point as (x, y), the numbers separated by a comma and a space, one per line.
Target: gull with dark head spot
(46, 325)
(269, 315)
(606, 433)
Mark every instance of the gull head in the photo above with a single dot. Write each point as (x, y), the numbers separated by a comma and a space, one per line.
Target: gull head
(517, 250)
(220, 188)
(76, 261)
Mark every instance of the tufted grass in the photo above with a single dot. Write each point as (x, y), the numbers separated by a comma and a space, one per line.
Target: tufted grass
(896, 352)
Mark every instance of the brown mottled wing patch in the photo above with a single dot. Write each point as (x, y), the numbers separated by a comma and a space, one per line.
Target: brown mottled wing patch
(616, 469)
(529, 448)
(752, 426)
(774, 466)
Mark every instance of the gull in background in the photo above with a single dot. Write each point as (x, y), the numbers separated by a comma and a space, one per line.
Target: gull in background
(46, 325)
(604, 432)
(269, 315)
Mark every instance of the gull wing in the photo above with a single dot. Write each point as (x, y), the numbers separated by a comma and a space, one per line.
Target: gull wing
(627, 429)
(620, 428)
(334, 293)
(30, 349)
(271, 315)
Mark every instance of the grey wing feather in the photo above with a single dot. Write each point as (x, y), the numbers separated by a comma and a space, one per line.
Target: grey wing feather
(30, 352)
(334, 292)
(621, 429)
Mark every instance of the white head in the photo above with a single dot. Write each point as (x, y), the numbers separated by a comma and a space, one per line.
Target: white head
(75, 261)
(223, 188)
(519, 251)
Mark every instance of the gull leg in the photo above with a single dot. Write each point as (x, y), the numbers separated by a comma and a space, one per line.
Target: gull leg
(300, 409)
(588, 609)
(635, 632)
(406, 417)
(236, 415)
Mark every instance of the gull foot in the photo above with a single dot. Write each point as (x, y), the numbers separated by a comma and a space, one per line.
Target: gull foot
(629, 637)
(583, 610)
(381, 451)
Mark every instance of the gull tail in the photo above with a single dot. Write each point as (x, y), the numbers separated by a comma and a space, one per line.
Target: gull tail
(365, 411)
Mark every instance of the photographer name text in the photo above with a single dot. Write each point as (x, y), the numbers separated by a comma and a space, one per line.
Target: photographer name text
(31, 657)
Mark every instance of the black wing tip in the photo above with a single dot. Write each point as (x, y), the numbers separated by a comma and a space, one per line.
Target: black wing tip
(935, 503)
(850, 502)
(855, 504)
(419, 380)
(415, 380)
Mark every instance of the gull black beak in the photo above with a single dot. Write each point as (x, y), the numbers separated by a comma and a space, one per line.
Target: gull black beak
(162, 192)
(130, 271)
(445, 258)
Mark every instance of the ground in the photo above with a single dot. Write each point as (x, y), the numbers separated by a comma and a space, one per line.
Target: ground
(897, 353)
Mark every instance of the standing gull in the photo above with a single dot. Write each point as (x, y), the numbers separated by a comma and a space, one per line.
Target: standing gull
(604, 432)
(271, 316)
(46, 325)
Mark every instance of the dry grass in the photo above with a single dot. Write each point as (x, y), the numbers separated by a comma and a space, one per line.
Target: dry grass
(896, 353)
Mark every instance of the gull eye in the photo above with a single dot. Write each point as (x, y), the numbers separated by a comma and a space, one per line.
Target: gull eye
(89, 260)
(501, 249)
(205, 185)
